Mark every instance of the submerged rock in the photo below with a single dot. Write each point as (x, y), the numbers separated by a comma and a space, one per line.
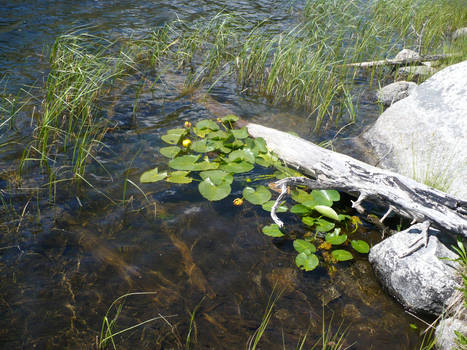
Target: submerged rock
(445, 336)
(416, 72)
(394, 92)
(421, 282)
(424, 136)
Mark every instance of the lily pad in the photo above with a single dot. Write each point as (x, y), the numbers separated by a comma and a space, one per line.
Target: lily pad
(307, 262)
(332, 195)
(205, 165)
(240, 133)
(213, 192)
(152, 176)
(207, 124)
(179, 177)
(230, 118)
(237, 167)
(272, 230)
(171, 139)
(303, 246)
(170, 151)
(258, 197)
(300, 209)
(218, 135)
(184, 162)
(308, 220)
(242, 155)
(360, 246)
(342, 255)
(214, 145)
(218, 177)
(323, 225)
(260, 145)
(326, 211)
(301, 196)
(280, 209)
(177, 132)
(335, 238)
(200, 146)
(267, 160)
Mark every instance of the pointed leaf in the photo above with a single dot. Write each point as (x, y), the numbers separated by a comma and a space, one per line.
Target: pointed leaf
(182, 132)
(217, 177)
(171, 139)
(326, 211)
(335, 238)
(152, 176)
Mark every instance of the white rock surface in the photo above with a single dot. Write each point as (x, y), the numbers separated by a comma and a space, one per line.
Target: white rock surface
(424, 136)
(416, 72)
(421, 282)
(394, 92)
(445, 336)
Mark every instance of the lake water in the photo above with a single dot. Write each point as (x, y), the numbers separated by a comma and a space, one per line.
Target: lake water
(63, 265)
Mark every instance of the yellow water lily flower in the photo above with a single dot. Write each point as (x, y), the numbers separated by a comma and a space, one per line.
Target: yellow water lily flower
(186, 143)
(238, 201)
(187, 124)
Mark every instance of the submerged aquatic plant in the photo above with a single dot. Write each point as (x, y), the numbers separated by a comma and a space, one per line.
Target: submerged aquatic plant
(228, 152)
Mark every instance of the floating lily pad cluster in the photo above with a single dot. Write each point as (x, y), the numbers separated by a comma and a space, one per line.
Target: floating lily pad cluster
(213, 152)
(316, 212)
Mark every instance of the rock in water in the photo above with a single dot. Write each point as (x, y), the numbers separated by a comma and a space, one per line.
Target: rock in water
(421, 282)
(445, 336)
(424, 136)
(405, 54)
(394, 92)
(460, 33)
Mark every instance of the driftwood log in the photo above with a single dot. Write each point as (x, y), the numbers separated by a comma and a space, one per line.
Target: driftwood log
(331, 170)
(397, 62)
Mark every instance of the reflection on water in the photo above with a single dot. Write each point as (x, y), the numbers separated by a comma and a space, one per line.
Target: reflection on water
(61, 267)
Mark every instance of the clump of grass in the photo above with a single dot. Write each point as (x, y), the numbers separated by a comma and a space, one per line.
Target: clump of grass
(82, 69)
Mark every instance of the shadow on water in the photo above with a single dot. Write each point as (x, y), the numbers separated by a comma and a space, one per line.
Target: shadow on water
(62, 266)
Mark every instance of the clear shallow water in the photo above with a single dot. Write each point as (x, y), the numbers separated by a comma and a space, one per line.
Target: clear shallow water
(62, 267)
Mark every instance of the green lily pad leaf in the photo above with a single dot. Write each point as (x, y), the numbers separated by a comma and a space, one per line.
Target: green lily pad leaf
(360, 246)
(303, 246)
(301, 196)
(205, 165)
(237, 167)
(218, 135)
(201, 132)
(207, 124)
(323, 225)
(240, 133)
(308, 220)
(267, 160)
(213, 192)
(272, 230)
(177, 132)
(200, 146)
(258, 197)
(171, 139)
(307, 262)
(332, 195)
(184, 162)
(235, 144)
(152, 176)
(300, 209)
(288, 171)
(170, 151)
(214, 145)
(230, 118)
(280, 209)
(218, 177)
(335, 238)
(179, 177)
(341, 255)
(326, 211)
(342, 217)
(260, 145)
(242, 155)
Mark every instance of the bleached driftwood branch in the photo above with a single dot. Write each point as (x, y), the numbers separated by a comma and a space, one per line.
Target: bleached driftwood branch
(332, 170)
(397, 62)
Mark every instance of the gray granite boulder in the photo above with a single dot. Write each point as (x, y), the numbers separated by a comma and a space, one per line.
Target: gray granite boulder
(406, 53)
(445, 336)
(424, 136)
(421, 281)
(416, 72)
(459, 33)
(394, 92)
